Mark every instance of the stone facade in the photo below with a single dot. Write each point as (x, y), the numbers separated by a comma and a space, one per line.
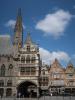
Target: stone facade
(23, 74)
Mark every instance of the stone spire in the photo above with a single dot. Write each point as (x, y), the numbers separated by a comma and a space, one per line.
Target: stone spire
(18, 31)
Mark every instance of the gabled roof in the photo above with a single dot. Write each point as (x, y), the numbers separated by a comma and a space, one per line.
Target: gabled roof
(56, 63)
(56, 66)
(70, 65)
(29, 41)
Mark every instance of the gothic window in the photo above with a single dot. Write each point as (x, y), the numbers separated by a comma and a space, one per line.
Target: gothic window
(9, 83)
(28, 48)
(33, 70)
(8, 92)
(44, 81)
(1, 83)
(8, 59)
(1, 92)
(28, 59)
(22, 70)
(33, 59)
(27, 70)
(10, 66)
(2, 71)
(22, 59)
(10, 69)
(43, 72)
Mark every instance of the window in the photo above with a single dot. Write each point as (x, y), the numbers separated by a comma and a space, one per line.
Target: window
(10, 66)
(33, 70)
(1, 83)
(43, 72)
(27, 70)
(22, 59)
(8, 59)
(9, 83)
(69, 75)
(22, 69)
(28, 59)
(2, 71)
(71, 83)
(10, 70)
(28, 48)
(8, 92)
(33, 59)
(1, 92)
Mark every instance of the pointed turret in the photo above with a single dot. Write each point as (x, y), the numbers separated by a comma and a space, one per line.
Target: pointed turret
(18, 31)
(28, 39)
(70, 65)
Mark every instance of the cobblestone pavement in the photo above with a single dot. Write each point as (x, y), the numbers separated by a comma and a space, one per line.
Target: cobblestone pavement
(43, 98)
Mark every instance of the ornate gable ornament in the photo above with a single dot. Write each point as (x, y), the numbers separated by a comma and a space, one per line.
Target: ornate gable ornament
(70, 67)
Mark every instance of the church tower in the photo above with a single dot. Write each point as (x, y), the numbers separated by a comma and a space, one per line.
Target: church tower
(18, 31)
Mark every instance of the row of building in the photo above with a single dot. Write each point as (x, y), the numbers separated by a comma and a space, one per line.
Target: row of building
(22, 73)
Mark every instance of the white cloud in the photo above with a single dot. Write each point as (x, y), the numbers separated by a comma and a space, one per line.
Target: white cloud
(5, 36)
(54, 24)
(48, 57)
(11, 23)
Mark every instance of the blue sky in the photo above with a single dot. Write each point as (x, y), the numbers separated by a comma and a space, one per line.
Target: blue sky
(50, 22)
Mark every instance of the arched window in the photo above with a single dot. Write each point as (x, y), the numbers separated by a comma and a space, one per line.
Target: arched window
(1, 83)
(1, 92)
(10, 70)
(28, 48)
(9, 83)
(8, 92)
(10, 66)
(28, 59)
(22, 59)
(33, 59)
(2, 71)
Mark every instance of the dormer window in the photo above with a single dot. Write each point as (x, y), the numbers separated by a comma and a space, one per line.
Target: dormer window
(28, 48)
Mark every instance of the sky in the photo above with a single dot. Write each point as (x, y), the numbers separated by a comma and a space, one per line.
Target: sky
(51, 24)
